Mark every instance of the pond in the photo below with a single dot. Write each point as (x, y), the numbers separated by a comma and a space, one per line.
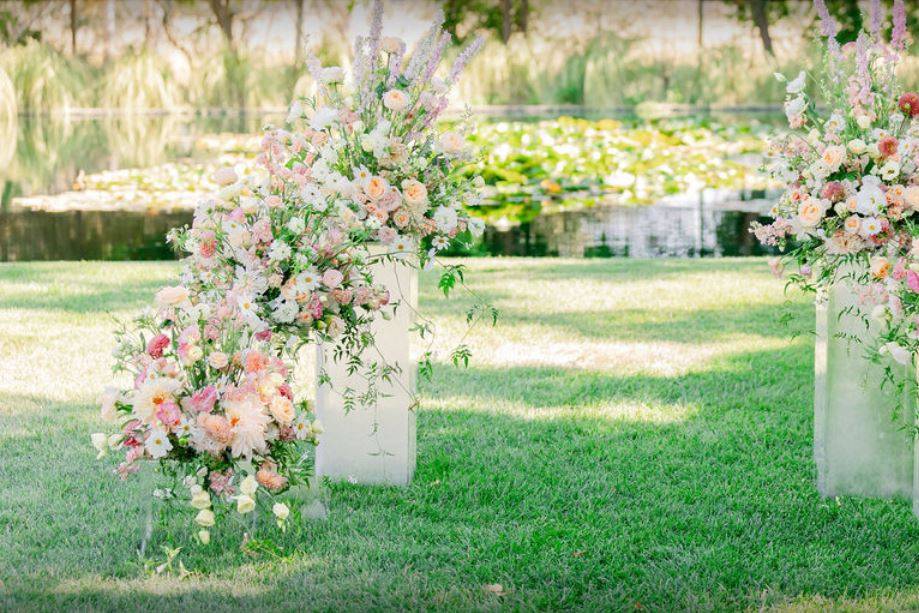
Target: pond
(533, 212)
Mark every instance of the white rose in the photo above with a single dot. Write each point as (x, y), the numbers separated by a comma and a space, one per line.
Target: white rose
(446, 219)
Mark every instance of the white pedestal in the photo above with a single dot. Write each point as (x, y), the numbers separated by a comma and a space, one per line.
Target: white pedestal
(859, 448)
(373, 444)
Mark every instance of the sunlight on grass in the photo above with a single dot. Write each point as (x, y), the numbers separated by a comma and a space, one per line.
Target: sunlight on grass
(631, 432)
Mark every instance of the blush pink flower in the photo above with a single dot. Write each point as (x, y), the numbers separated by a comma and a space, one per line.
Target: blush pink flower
(888, 146)
(912, 280)
(156, 345)
(909, 103)
(833, 191)
(332, 278)
(168, 412)
(201, 401)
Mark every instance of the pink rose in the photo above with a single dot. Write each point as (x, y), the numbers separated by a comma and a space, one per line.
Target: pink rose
(332, 278)
(899, 270)
(156, 345)
(201, 401)
(169, 413)
(912, 280)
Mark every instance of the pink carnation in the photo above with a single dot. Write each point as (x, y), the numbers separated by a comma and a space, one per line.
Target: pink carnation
(156, 345)
(169, 413)
(912, 280)
(332, 278)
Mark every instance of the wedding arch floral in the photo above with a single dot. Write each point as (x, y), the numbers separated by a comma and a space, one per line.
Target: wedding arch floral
(280, 256)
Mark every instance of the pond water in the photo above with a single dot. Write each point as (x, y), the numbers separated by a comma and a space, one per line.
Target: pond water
(46, 156)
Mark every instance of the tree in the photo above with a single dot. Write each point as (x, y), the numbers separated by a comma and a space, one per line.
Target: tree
(503, 17)
(762, 13)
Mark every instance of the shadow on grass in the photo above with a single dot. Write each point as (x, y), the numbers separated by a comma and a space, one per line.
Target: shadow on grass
(587, 507)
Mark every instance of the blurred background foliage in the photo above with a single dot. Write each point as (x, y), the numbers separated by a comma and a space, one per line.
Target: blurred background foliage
(192, 55)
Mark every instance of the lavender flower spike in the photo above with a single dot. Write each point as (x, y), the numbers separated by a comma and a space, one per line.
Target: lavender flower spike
(876, 17)
(898, 36)
(828, 25)
(376, 31)
(464, 57)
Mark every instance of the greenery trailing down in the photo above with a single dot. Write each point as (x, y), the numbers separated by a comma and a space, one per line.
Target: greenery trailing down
(632, 433)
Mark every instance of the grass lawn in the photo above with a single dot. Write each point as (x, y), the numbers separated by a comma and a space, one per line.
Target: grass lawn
(633, 434)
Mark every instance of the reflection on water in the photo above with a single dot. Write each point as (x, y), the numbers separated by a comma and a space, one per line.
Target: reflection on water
(665, 230)
(713, 224)
(86, 235)
(46, 155)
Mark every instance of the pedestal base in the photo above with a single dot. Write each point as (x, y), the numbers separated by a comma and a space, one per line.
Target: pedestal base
(373, 444)
(859, 448)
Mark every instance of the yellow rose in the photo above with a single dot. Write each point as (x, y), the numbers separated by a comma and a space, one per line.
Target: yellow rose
(205, 518)
(244, 504)
(376, 187)
(414, 191)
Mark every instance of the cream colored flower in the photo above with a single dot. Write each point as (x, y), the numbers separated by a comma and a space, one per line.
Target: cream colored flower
(100, 442)
(201, 500)
(833, 156)
(282, 410)
(248, 486)
(376, 187)
(171, 296)
(395, 100)
(225, 176)
(218, 360)
(280, 510)
(911, 196)
(452, 142)
(880, 267)
(204, 536)
(810, 213)
(205, 518)
(244, 504)
(107, 402)
(414, 192)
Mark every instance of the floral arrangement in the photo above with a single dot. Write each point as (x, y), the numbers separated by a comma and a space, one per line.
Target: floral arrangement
(280, 257)
(852, 181)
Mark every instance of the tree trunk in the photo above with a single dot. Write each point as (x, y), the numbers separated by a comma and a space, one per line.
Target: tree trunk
(298, 39)
(761, 20)
(73, 27)
(523, 16)
(505, 21)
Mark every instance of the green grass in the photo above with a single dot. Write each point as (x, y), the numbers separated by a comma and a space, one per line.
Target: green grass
(632, 434)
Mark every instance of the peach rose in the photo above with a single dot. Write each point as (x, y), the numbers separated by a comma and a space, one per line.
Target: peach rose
(376, 187)
(911, 196)
(414, 192)
(880, 267)
(282, 410)
(171, 296)
(853, 224)
(834, 156)
(395, 100)
(810, 213)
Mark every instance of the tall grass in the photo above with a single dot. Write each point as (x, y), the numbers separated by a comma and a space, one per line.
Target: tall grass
(44, 79)
(139, 80)
(8, 122)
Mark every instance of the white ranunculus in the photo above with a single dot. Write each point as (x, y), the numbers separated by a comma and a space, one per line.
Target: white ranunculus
(280, 510)
(244, 504)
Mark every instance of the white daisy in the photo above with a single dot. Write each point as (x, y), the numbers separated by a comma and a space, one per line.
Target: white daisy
(157, 443)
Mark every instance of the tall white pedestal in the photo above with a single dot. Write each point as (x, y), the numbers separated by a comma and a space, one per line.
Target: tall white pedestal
(373, 444)
(858, 447)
